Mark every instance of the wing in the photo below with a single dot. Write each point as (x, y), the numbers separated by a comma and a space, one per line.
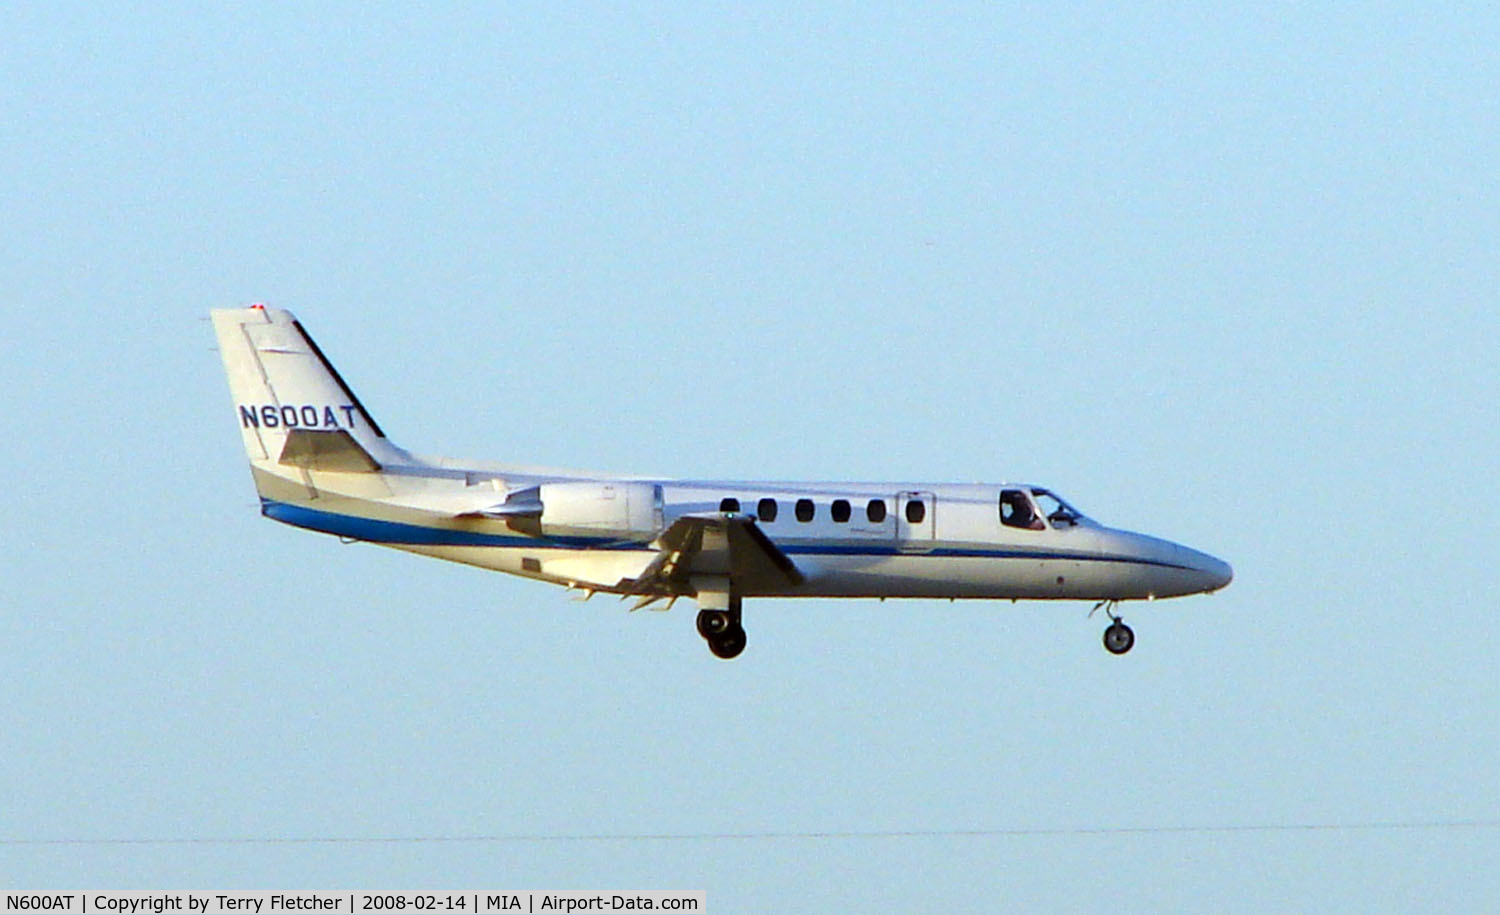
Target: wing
(720, 544)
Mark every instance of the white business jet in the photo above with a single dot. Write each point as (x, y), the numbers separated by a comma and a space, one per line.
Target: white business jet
(320, 462)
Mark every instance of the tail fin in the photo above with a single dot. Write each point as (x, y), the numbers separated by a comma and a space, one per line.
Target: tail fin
(295, 412)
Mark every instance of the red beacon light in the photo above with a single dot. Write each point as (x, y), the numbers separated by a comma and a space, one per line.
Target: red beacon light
(258, 306)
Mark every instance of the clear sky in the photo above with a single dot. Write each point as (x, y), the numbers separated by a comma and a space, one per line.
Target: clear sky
(1225, 274)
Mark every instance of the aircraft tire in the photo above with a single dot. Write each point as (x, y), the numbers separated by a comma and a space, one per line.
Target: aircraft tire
(1118, 638)
(728, 644)
(714, 623)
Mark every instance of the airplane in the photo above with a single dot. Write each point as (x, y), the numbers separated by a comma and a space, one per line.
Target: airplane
(320, 461)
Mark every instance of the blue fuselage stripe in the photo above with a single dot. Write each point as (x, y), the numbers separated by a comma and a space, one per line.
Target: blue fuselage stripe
(398, 533)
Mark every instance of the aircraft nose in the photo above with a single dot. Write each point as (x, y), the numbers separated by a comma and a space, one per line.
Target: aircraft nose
(1178, 570)
(1213, 573)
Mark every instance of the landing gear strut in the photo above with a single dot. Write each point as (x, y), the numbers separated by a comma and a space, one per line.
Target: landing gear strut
(722, 630)
(1118, 637)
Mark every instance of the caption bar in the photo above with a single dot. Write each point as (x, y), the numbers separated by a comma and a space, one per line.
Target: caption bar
(349, 903)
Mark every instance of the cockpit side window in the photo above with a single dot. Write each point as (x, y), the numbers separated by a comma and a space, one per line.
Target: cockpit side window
(1016, 511)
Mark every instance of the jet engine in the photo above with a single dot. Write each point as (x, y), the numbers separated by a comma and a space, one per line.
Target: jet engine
(620, 511)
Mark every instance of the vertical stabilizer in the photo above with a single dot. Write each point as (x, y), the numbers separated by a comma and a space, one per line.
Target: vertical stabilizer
(296, 414)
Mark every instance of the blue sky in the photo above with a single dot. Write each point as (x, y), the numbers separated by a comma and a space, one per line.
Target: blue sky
(1224, 275)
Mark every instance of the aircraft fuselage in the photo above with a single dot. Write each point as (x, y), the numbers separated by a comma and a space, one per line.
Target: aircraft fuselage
(320, 462)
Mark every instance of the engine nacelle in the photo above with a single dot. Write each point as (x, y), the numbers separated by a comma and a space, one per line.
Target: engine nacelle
(620, 511)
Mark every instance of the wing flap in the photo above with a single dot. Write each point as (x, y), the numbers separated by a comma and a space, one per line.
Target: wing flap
(716, 544)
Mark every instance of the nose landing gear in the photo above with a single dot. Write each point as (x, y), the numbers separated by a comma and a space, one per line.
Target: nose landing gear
(1118, 637)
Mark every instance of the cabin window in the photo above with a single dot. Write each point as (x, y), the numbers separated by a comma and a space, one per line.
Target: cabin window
(804, 509)
(766, 510)
(730, 504)
(875, 511)
(1016, 511)
(916, 511)
(840, 510)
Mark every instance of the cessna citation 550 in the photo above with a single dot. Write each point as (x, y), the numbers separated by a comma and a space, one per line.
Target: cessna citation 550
(320, 462)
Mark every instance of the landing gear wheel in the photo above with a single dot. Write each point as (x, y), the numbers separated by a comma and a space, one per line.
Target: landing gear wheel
(727, 644)
(714, 623)
(1118, 638)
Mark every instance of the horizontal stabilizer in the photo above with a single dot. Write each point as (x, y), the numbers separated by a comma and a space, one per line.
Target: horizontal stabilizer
(328, 450)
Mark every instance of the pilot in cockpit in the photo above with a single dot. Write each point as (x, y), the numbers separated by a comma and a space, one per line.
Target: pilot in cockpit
(1016, 511)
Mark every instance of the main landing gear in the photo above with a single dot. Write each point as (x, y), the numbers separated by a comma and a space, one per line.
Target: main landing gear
(1118, 637)
(722, 630)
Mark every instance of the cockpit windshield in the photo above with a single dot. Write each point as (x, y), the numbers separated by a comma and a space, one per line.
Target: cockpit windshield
(1060, 513)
